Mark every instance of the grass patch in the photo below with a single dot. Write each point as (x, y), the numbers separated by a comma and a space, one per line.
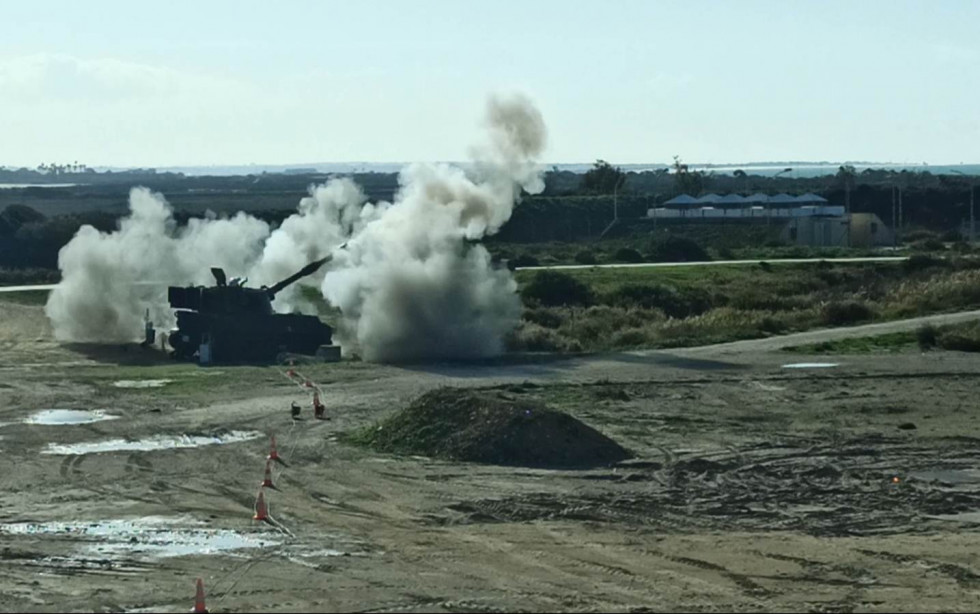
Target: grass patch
(29, 297)
(892, 342)
(956, 338)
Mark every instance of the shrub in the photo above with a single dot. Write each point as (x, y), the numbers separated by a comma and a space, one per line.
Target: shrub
(959, 342)
(919, 235)
(631, 338)
(838, 313)
(552, 288)
(13, 217)
(929, 245)
(726, 253)
(677, 249)
(585, 257)
(919, 262)
(935, 293)
(927, 336)
(524, 260)
(544, 316)
(666, 298)
(533, 338)
(627, 254)
(761, 298)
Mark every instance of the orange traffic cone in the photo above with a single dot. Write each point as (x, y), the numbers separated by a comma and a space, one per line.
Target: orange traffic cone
(199, 607)
(273, 453)
(317, 406)
(267, 482)
(261, 512)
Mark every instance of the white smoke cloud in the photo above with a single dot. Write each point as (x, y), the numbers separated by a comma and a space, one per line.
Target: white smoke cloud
(411, 282)
(103, 293)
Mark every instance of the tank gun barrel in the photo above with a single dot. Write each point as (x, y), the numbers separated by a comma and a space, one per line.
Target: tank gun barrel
(307, 270)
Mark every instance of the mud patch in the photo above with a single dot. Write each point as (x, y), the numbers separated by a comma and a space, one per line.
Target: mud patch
(824, 491)
(63, 417)
(149, 444)
(951, 477)
(141, 383)
(488, 427)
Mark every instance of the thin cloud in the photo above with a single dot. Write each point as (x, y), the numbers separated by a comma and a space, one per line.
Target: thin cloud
(57, 77)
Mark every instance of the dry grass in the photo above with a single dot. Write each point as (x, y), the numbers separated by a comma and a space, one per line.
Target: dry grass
(732, 303)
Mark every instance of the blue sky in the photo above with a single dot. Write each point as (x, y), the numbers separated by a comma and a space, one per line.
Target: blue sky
(182, 83)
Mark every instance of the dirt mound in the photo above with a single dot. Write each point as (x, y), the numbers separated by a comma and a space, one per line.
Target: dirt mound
(488, 427)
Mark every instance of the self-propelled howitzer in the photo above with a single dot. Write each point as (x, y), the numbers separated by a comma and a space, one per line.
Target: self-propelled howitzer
(233, 323)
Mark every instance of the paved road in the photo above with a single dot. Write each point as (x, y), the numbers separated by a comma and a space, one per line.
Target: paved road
(639, 265)
(605, 266)
(31, 288)
(49, 287)
(833, 334)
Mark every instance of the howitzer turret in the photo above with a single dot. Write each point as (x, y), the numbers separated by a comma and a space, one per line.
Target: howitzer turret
(237, 324)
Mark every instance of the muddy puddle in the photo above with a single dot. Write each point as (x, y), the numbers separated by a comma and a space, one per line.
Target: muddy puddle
(141, 383)
(135, 545)
(149, 444)
(63, 417)
(150, 537)
(811, 365)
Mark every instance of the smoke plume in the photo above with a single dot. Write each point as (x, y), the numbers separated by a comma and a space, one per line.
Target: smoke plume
(411, 282)
(104, 290)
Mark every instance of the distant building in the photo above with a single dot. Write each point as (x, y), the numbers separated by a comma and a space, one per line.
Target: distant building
(714, 206)
(856, 230)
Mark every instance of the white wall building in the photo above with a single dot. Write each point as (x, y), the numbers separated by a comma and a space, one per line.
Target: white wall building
(733, 206)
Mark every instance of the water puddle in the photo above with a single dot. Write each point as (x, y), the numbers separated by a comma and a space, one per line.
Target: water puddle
(129, 545)
(157, 442)
(141, 383)
(150, 537)
(61, 417)
(811, 365)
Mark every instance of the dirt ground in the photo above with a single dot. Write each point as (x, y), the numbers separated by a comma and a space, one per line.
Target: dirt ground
(754, 487)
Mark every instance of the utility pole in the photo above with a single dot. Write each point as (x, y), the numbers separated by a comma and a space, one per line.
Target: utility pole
(894, 219)
(768, 207)
(616, 202)
(973, 229)
(901, 211)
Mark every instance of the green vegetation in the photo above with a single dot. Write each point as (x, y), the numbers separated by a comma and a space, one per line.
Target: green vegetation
(27, 276)
(490, 427)
(30, 297)
(956, 337)
(610, 309)
(892, 342)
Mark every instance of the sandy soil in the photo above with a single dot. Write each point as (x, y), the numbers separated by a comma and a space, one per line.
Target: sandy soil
(754, 487)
